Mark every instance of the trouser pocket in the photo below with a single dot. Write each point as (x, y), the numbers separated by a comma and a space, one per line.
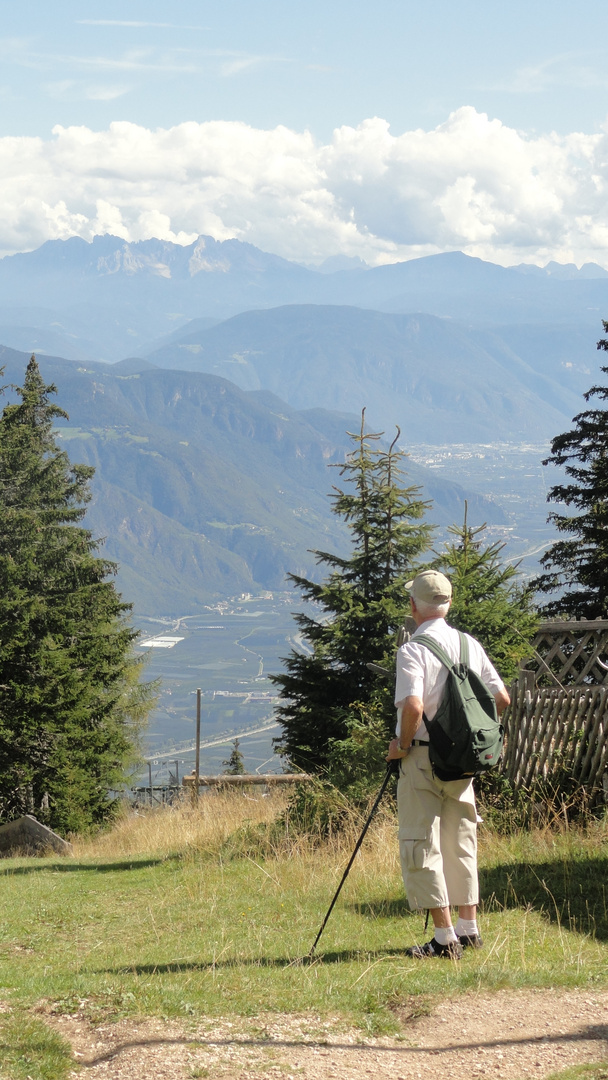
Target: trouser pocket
(413, 848)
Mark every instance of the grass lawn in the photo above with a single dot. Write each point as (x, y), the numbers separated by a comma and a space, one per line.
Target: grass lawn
(212, 927)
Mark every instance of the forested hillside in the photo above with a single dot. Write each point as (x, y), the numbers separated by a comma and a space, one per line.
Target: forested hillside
(201, 489)
(436, 379)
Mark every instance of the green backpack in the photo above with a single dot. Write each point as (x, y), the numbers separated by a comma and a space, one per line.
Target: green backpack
(465, 733)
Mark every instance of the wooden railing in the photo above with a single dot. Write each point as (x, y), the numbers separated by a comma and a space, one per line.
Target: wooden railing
(244, 779)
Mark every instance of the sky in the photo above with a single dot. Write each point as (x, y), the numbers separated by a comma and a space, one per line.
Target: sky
(383, 130)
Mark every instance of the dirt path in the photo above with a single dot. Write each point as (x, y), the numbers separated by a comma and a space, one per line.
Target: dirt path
(509, 1034)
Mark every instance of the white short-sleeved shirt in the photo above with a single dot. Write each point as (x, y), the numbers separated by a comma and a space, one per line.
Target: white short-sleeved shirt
(422, 675)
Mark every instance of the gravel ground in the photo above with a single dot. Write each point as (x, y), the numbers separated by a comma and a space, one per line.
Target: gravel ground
(508, 1034)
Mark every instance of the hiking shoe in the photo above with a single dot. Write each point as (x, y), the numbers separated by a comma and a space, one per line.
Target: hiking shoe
(471, 941)
(452, 951)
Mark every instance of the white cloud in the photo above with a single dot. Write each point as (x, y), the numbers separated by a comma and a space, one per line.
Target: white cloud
(471, 184)
(142, 61)
(239, 64)
(105, 93)
(576, 70)
(60, 88)
(136, 60)
(138, 25)
(71, 89)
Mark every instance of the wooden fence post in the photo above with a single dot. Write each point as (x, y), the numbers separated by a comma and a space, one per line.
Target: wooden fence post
(197, 764)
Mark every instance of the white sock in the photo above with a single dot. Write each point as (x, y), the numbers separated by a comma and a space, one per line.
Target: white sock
(445, 935)
(466, 928)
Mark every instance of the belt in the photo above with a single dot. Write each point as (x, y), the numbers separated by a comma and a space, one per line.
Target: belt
(419, 742)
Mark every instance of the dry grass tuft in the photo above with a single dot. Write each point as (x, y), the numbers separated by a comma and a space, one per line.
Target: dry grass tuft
(231, 823)
(556, 838)
(186, 826)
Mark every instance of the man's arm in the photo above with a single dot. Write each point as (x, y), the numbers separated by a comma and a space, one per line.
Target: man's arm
(502, 699)
(410, 715)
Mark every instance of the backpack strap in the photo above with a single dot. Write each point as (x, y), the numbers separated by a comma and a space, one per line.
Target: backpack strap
(464, 649)
(434, 647)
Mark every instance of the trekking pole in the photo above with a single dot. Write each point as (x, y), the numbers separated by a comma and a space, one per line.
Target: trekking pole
(403, 635)
(392, 770)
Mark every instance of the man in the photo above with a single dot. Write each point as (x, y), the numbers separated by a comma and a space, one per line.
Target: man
(437, 820)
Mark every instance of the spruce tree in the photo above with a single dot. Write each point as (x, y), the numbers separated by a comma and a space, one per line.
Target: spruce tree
(489, 600)
(362, 602)
(577, 567)
(70, 696)
(235, 763)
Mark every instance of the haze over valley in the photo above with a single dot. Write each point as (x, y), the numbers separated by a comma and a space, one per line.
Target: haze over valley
(212, 442)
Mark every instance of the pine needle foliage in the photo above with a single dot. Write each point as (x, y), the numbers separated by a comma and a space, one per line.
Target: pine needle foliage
(362, 603)
(70, 694)
(235, 765)
(577, 568)
(490, 601)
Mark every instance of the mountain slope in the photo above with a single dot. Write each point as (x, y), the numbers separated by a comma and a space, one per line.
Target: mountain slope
(203, 490)
(434, 379)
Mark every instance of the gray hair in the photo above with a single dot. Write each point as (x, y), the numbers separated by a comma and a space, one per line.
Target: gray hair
(432, 611)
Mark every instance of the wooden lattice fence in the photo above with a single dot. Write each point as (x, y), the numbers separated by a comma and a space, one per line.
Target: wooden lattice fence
(570, 652)
(558, 733)
(558, 736)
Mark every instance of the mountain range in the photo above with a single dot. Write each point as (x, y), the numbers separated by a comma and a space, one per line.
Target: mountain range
(110, 299)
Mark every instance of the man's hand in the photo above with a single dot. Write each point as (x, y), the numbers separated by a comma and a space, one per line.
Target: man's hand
(395, 752)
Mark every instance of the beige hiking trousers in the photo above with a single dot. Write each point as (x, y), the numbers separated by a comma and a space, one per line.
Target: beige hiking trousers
(437, 835)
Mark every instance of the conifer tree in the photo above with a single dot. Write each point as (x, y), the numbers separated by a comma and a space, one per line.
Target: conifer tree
(235, 765)
(362, 603)
(577, 567)
(489, 600)
(70, 696)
